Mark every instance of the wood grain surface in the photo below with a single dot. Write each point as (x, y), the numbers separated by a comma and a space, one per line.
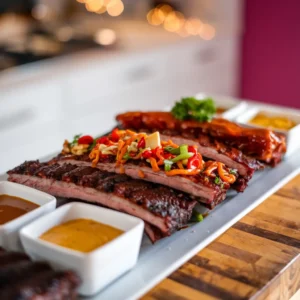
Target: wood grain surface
(257, 258)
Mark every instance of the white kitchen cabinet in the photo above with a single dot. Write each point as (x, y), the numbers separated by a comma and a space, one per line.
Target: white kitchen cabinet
(35, 117)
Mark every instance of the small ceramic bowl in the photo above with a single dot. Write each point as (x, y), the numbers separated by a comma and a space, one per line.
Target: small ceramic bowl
(292, 135)
(97, 268)
(9, 232)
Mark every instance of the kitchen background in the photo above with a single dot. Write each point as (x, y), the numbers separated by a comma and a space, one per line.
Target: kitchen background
(68, 67)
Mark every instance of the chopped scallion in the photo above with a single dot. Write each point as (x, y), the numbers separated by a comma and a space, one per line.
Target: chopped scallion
(168, 165)
(175, 151)
(197, 217)
(182, 156)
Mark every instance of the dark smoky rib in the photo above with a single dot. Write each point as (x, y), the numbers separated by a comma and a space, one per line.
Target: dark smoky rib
(46, 285)
(17, 270)
(7, 258)
(166, 209)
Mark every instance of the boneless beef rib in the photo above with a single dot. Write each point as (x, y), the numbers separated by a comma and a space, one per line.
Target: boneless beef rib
(163, 208)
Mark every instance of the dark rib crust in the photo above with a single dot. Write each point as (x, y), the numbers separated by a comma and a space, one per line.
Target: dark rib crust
(174, 207)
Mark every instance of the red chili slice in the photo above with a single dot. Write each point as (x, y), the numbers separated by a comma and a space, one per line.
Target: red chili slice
(86, 139)
(103, 140)
(168, 155)
(192, 149)
(115, 135)
(194, 162)
(141, 143)
(147, 154)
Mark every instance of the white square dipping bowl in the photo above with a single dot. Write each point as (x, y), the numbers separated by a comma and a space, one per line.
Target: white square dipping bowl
(97, 268)
(292, 135)
(9, 232)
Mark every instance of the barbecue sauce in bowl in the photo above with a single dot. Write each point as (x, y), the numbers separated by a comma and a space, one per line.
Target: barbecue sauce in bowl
(82, 235)
(13, 207)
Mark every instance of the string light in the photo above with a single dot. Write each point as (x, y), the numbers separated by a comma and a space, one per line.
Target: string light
(155, 17)
(105, 37)
(102, 10)
(113, 7)
(175, 21)
(207, 32)
(94, 5)
(193, 26)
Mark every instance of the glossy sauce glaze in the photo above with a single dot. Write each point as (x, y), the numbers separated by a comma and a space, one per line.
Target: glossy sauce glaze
(220, 110)
(83, 235)
(13, 207)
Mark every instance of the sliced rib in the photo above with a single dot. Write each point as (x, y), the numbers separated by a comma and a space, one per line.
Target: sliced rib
(164, 208)
(198, 185)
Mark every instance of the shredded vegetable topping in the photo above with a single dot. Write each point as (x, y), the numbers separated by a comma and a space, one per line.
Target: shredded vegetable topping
(162, 156)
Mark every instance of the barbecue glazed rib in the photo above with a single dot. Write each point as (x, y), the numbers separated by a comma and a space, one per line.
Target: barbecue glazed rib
(261, 144)
(198, 185)
(164, 208)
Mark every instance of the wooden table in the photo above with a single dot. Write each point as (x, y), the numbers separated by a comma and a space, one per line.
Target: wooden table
(257, 258)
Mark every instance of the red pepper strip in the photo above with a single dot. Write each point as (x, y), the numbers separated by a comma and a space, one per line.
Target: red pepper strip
(115, 135)
(158, 153)
(147, 154)
(195, 162)
(224, 175)
(86, 139)
(168, 155)
(103, 140)
(141, 143)
(192, 149)
(132, 154)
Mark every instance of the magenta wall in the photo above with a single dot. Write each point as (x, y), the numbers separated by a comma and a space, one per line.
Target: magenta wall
(271, 52)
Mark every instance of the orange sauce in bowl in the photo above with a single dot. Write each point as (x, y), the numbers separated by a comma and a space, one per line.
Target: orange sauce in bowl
(83, 235)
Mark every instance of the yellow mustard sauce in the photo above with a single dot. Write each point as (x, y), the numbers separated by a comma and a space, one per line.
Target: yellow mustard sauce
(83, 235)
(275, 122)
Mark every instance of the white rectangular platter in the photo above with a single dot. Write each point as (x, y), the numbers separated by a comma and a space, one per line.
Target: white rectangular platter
(159, 260)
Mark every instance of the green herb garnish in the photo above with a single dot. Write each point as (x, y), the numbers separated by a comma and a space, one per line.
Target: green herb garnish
(91, 146)
(218, 181)
(192, 108)
(233, 171)
(197, 217)
(126, 156)
(175, 151)
(75, 140)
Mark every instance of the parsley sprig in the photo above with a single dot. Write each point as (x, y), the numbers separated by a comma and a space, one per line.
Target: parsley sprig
(192, 108)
